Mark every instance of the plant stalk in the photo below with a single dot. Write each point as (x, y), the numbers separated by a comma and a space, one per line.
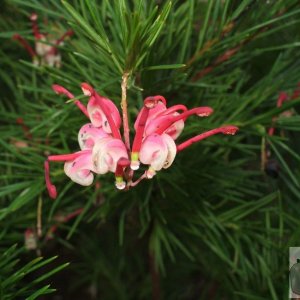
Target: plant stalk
(125, 111)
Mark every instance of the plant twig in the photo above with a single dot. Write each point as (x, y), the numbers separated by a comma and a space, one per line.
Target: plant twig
(125, 111)
(154, 277)
(134, 183)
(39, 218)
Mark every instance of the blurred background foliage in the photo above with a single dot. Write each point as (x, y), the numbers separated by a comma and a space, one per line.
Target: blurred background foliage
(215, 225)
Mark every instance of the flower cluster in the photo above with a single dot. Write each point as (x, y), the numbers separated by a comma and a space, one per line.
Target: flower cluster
(102, 149)
(46, 49)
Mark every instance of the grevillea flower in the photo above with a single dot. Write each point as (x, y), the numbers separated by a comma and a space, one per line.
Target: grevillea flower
(45, 51)
(103, 150)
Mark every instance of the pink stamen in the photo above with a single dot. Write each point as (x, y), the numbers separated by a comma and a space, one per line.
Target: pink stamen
(25, 129)
(225, 130)
(35, 27)
(54, 49)
(50, 187)
(68, 157)
(137, 142)
(58, 89)
(81, 107)
(89, 91)
(282, 97)
(153, 100)
(149, 103)
(62, 38)
(200, 111)
(24, 43)
(173, 109)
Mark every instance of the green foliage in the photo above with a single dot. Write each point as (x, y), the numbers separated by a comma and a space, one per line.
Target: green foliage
(214, 225)
(11, 277)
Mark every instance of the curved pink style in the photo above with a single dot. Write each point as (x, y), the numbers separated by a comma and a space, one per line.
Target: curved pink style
(25, 44)
(58, 89)
(35, 27)
(64, 157)
(159, 108)
(174, 130)
(229, 130)
(170, 120)
(50, 187)
(160, 113)
(106, 154)
(150, 104)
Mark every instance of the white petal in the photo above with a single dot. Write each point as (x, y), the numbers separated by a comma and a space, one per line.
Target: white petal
(79, 170)
(172, 150)
(154, 152)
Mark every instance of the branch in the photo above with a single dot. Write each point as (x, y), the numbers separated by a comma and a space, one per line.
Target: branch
(125, 111)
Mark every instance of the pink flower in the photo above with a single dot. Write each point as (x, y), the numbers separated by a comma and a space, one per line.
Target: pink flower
(102, 149)
(156, 120)
(160, 112)
(46, 50)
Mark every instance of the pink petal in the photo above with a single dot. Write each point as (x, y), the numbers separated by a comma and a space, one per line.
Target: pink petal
(88, 135)
(106, 154)
(174, 130)
(171, 150)
(159, 108)
(79, 170)
(154, 152)
(97, 116)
